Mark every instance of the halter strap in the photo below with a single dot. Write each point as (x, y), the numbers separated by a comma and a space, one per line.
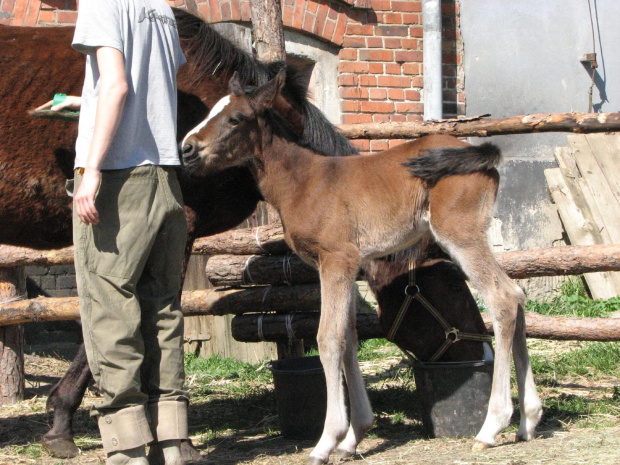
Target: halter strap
(412, 291)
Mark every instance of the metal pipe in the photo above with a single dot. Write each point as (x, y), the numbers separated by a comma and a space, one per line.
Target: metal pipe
(433, 97)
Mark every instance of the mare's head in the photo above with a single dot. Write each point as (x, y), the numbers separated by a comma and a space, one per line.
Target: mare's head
(233, 132)
(443, 285)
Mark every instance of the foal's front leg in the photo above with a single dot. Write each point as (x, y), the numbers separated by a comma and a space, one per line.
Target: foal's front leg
(337, 322)
(361, 411)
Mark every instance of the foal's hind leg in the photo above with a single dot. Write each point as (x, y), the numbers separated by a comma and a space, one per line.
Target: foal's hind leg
(504, 300)
(337, 324)
(459, 222)
(529, 402)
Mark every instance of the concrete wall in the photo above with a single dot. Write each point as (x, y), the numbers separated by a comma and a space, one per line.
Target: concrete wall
(524, 57)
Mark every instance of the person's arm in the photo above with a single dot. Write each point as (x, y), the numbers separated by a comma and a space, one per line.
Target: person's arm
(113, 90)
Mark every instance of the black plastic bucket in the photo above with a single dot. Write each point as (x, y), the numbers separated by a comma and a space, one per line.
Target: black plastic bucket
(301, 396)
(453, 396)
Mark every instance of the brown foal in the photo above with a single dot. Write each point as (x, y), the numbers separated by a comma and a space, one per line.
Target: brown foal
(340, 213)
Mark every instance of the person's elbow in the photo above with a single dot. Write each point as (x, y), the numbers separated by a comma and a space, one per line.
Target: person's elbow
(114, 91)
(118, 88)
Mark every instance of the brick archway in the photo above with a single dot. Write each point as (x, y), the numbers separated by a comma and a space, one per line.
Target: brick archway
(378, 43)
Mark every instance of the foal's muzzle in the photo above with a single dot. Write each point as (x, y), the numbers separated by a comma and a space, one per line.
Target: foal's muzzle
(189, 152)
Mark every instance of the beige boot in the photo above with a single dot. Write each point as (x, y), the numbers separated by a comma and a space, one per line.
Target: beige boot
(168, 421)
(124, 434)
(135, 456)
(166, 453)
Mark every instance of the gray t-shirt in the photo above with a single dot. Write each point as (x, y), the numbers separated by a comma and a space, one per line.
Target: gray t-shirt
(145, 32)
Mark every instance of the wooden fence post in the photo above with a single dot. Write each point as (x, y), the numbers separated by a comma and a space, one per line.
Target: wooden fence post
(12, 287)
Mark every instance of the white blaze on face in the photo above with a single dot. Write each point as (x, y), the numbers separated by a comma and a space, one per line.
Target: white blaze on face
(217, 108)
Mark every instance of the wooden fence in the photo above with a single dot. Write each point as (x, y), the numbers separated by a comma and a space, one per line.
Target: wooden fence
(270, 280)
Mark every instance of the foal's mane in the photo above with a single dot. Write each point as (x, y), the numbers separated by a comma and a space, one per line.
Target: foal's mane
(211, 55)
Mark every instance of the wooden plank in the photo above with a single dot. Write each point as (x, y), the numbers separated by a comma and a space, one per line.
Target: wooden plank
(581, 197)
(573, 209)
(209, 335)
(606, 150)
(598, 160)
(602, 194)
(580, 227)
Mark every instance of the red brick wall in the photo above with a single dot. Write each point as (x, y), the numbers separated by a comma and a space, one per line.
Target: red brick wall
(380, 42)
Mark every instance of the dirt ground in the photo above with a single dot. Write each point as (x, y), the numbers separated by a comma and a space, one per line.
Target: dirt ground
(22, 425)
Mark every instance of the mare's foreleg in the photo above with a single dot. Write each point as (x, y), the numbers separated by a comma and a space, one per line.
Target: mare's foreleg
(64, 399)
(337, 272)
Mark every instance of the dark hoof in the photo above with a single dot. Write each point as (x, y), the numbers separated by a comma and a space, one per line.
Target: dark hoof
(60, 448)
(189, 452)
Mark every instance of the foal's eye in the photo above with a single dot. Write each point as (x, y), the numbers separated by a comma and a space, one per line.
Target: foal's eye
(233, 121)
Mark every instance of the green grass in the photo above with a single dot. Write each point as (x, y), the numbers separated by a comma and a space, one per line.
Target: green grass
(574, 301)
(215, 374)
(593, 359)
(376, 349)
(240, 398)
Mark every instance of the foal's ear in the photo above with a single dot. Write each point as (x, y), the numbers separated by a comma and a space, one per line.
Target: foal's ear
(234, 85)
(266, 95)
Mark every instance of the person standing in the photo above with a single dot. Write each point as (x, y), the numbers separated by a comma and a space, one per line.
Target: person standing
(129, 226)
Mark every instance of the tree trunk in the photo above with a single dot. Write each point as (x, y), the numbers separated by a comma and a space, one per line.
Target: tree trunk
(268, 239)
(302, 298)
(245, 328)
(240, 270)
(21, 256)
(566, 329)
(266, 17)
(305, 325)
(560, 261)
(482, 126)
(12, 288)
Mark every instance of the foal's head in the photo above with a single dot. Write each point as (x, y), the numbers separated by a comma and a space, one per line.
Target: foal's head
(232, 134)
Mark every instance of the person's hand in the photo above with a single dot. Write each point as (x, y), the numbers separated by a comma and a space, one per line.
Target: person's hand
(71, 102)
(85, 197)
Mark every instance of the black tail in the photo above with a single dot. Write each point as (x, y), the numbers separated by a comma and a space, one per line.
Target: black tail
(438, 163)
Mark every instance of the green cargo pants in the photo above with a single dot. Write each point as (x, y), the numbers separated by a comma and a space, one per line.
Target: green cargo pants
(129, 276)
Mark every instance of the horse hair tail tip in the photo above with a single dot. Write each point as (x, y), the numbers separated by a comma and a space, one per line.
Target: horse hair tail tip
(437, 163)
(490, 151)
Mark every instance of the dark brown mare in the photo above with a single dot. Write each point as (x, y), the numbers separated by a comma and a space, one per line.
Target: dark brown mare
(36, 158)
(340, 213)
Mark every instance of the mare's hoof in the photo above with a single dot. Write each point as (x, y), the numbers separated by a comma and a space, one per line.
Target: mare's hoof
(60, 448)
(480, 445)
(189, 452)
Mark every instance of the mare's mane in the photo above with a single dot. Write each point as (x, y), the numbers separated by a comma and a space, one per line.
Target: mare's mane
(209, 54)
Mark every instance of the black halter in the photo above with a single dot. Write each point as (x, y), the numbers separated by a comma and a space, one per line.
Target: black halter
(412, 291)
